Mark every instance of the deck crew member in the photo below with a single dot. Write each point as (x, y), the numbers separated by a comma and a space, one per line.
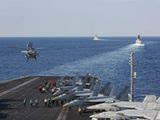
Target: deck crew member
(45, 102)
(80, 110)
(31, 103)
(24, 102)
(36, 103)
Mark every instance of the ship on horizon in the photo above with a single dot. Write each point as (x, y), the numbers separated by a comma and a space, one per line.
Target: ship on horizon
(96, 37)
(139, 41)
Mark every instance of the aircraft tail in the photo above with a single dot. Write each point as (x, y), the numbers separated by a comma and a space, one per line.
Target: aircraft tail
(58, 84)
(158, 100)
(96, 88)
(113, 91)
(84, 81)
(106, 89)
(150, 98)
(92, 83)
(29, 45)
(123, 94)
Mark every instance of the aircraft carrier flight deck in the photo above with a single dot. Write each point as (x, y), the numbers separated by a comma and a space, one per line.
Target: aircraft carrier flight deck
(16, 99)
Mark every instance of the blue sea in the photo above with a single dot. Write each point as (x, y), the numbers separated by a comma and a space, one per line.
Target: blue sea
(107, 58)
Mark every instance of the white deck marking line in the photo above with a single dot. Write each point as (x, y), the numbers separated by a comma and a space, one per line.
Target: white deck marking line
(18, 86)
(63, 114)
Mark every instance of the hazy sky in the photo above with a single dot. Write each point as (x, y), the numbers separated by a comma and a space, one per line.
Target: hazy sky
(79, 17)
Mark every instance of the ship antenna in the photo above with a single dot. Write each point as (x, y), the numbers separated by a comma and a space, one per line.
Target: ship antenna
(133, 75)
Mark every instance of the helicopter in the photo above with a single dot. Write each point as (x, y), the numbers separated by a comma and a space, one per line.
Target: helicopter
(30, 52)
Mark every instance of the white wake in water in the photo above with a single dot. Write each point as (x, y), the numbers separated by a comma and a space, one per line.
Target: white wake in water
(106, 65)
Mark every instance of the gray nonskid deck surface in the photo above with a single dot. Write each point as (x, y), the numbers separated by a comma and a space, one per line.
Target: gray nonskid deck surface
(11, 105)
(17, 87)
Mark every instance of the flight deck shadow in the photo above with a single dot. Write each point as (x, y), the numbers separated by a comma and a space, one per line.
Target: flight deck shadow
(5, 104)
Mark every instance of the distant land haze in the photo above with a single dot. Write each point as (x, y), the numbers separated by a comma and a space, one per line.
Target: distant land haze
(22, 18)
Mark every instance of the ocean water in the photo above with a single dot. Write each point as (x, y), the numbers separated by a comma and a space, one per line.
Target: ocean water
(107, 58)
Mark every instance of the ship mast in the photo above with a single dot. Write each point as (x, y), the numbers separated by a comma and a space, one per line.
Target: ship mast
(133, 75)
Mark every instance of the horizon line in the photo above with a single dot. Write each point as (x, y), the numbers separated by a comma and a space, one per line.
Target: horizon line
(75, 36)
